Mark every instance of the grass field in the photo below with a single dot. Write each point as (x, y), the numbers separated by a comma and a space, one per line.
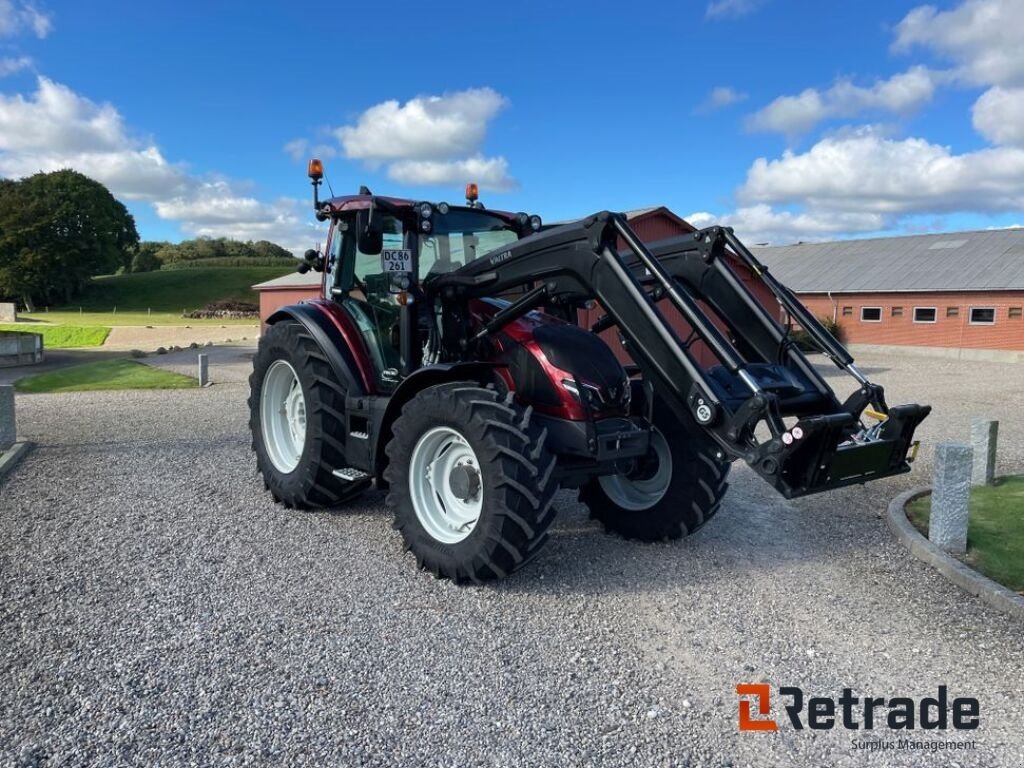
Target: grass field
(995, 529)
(63, 336)
(105, 375)
(110, 319)
(158, 298)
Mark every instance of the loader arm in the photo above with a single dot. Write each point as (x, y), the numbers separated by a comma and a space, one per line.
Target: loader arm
(761, 379)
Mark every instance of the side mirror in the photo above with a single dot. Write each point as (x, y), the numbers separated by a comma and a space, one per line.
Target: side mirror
(311, 259)
(371, 232)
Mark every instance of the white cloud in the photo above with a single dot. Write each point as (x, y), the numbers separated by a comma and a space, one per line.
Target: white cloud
(18, 17)
(56, 128)
(720, 97)
(998, 115)
(217, 209)
(13, 65)
(763, 224)
(731, 8)
(132, 174)
(57, 119)
(428, 140)
(868, 173)
(900, 94)
(297, 149)
(304, 149)
(984, 37)
(424, 128)
(489, 172)
(859, 179)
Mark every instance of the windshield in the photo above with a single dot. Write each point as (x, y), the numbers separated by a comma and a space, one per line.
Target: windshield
(458, 238)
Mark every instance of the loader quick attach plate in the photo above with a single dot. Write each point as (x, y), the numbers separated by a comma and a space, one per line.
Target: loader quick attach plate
(820, 452)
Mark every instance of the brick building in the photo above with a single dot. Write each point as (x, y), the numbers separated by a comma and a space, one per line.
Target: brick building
(290, 289)
(956, 294)
(656, 224)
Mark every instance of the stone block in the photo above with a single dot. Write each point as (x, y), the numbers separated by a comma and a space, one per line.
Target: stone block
(951, 491)
(8, 424)
(984, 436)
(204, 370)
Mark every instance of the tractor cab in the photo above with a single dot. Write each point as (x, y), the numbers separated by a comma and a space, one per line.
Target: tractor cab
(382, 255)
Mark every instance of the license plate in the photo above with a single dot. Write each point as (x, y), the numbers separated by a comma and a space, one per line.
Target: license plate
(396, 260)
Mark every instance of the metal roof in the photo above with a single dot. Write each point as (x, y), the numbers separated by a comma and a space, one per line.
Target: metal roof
(291, 280)
(631, 214)
(954, 261)
(635, 212)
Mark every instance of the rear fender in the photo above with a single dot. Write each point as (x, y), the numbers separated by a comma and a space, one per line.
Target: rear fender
(330, 335)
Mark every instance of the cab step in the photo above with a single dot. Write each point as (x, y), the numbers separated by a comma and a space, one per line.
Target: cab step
(350, 474)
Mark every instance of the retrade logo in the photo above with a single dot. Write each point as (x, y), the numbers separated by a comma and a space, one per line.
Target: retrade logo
(761, 693)
(853, 712)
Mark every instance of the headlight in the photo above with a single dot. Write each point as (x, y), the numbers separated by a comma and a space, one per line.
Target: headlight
(572, 389)
(535, 223)
(426, 210)
(426, 226)
(587, 394)
(524, 219)
(442, 208)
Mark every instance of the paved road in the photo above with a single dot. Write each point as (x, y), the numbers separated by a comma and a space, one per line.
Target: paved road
(228, 363)
(157, 608)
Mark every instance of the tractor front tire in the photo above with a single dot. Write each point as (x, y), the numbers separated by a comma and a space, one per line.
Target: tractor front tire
(672, 495)
(296, 415)
(471, 482)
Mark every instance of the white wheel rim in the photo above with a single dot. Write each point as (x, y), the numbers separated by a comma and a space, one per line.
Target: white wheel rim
(283, 416)
(638, 495)
(444, 515)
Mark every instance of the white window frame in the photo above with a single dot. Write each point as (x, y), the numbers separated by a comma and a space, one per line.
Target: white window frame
(970, 315)
(880, 313)
(927, 322)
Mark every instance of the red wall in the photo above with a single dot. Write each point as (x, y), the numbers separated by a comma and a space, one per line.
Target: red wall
(659, 225)
(953, 332)
(272, 299)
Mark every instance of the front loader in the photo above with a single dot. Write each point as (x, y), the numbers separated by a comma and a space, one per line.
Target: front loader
(443, 363)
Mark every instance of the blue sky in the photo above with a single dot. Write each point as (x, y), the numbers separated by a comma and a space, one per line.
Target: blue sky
(848, 119)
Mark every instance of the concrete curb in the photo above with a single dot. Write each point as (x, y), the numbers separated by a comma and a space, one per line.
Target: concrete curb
(11, 458)
(963, 576)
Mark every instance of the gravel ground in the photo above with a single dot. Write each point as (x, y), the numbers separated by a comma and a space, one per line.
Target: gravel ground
(156, 608)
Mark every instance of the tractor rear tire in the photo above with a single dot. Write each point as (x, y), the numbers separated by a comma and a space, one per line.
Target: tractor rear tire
(298, 428)
(656, 507)
(471, 482)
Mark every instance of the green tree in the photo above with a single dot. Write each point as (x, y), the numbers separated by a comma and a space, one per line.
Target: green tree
(265, 249)
(207, 248)
(146, 257)
(57, 230)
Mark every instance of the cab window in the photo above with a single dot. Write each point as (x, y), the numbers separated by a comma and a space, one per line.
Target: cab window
(460, 237)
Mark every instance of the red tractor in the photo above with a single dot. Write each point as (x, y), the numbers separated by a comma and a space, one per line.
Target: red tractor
(444, 363)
